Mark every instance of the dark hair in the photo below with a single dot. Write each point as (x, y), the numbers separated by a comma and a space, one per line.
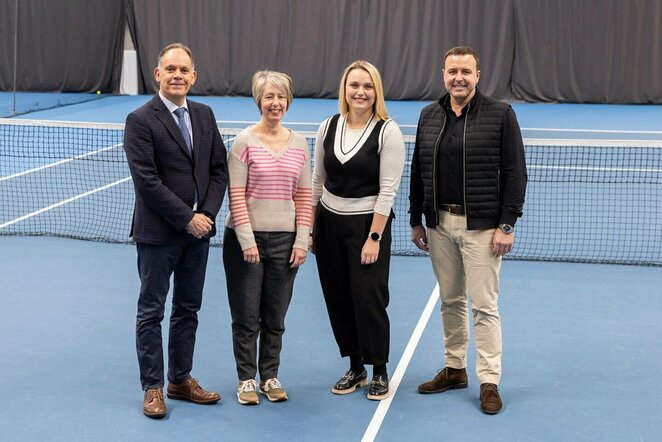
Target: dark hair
(175, 46)
(463, 50)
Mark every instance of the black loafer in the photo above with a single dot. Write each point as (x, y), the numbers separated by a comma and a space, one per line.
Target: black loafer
(378, 388)
(350, 382)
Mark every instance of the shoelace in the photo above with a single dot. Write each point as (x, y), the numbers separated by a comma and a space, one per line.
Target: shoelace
(248, 386)
(271, 384)
(155, 394)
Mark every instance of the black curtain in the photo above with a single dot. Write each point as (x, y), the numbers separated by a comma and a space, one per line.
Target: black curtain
(201, 25)
(588, 51)
(313, 41)
(61, 45)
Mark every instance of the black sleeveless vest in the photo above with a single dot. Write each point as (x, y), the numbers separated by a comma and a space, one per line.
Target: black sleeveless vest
(359, 176)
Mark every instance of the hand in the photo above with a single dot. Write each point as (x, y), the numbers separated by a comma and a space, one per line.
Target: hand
(252, 255)
(297, 258)
(419, 237)
(200, 225)
(370, 252)
(502, 243)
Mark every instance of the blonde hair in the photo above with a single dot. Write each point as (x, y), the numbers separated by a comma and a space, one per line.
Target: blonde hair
(278, 79)
(379, 107)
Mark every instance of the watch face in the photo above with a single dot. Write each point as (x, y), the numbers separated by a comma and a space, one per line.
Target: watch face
(375, 236)
(506, 228)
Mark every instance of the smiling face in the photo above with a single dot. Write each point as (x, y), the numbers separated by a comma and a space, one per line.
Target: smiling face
(360, 91)
(273, 103)
(461, 76)
(175, 75)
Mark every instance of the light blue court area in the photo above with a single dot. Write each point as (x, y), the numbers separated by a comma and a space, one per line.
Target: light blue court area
(537, 120)
(581, 356)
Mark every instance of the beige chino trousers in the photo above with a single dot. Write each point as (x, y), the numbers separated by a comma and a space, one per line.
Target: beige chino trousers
(468, 270)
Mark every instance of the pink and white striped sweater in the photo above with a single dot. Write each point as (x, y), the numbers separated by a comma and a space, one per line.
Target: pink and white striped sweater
(269, 191)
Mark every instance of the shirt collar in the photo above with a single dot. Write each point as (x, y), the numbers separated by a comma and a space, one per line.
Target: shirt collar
(446, 104)
(172, 106)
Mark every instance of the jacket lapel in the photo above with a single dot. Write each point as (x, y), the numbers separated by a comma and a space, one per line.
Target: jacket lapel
(168, 121)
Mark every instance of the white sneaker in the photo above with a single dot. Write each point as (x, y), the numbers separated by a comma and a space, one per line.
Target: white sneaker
(247, 392)
(272, 389)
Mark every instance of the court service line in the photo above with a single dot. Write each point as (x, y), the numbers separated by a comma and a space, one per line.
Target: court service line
(595, 169)
(61, 203)
(382, 408)
(599, 131)
(57, 163)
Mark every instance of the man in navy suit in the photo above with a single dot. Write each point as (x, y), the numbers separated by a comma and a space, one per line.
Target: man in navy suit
(179, 169)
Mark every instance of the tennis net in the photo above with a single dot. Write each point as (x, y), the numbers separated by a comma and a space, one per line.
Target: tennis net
(587, 200)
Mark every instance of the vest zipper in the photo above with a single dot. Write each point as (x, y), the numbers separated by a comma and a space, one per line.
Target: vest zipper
(434, 168)
(464, 165)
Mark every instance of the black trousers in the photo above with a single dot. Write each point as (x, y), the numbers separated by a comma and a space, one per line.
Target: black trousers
(259, 296)
(356, 295)
(156, 263)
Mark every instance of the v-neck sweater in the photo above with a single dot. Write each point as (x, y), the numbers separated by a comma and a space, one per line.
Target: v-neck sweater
(269, 191)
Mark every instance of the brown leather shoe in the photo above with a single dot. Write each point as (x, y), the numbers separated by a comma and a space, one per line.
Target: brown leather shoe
(490, 401)
(446, 379)
(190, 390)
(153, 403)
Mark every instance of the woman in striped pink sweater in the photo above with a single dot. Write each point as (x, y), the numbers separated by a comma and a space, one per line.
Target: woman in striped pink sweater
(266, 235)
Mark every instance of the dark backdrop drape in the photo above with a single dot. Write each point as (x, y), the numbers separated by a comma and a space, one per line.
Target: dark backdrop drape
(597, 51)
(313, 41)
(63, 45)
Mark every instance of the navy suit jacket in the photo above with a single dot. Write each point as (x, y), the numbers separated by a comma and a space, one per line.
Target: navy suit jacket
(166, 176)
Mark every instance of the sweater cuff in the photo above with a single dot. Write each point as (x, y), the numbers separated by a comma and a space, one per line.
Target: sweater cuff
(245, 236)
(301, 240)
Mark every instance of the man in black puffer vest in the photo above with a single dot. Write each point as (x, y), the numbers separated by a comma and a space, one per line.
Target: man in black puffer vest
(468, 178)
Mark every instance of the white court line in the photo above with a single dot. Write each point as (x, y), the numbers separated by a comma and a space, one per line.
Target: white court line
(594, 169)
(538, 129)
(61, 203)
(382, 408)
(57, 163)
(603, 131)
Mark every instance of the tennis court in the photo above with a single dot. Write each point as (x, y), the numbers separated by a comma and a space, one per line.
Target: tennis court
(581, 340)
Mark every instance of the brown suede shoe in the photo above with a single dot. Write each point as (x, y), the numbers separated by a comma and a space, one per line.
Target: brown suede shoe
(153, 403)
(490, 401)
(446, 379)
(190, 390)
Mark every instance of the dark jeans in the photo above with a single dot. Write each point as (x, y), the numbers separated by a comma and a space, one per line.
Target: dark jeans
(356, 295)
(259, 296)
(156, 263)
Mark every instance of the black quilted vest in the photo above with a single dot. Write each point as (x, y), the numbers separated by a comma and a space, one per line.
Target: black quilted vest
(482, 160)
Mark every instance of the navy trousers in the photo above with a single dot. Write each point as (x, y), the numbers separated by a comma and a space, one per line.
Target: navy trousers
(156, 264)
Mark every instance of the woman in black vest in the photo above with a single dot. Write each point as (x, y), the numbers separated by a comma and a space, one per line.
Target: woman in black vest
(359, 157)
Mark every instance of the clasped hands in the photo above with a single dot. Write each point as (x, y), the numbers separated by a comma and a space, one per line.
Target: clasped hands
(200, 225)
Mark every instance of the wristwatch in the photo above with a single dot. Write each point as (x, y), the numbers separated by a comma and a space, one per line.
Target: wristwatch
(375, 236)
(506, 228)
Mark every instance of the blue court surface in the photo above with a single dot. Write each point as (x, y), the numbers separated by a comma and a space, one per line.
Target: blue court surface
(305, 114)
(581, 341)
(581, 356)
